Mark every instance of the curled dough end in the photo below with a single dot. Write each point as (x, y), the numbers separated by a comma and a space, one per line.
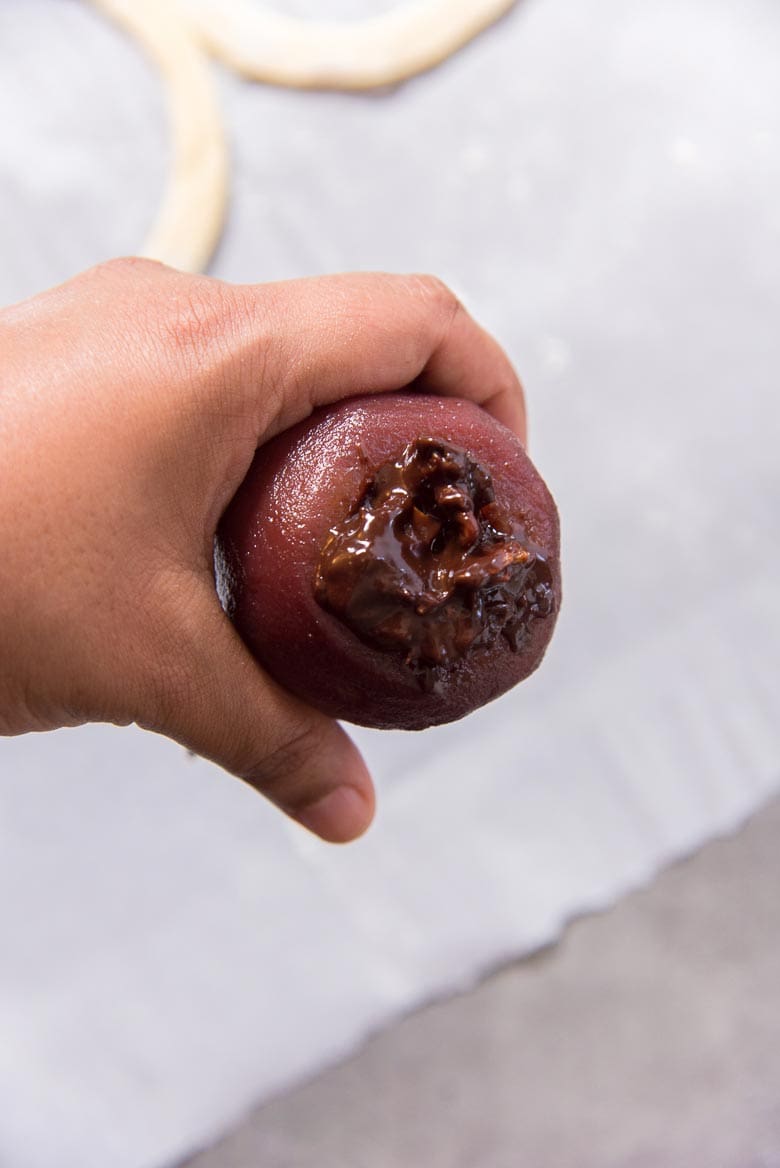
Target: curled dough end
(364, 54)
(189, 221)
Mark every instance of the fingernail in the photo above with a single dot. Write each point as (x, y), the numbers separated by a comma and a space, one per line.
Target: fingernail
(338, 817)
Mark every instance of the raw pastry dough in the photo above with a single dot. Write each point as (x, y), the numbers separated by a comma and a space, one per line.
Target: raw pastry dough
(381, 50)
(266, 46)
(190, 218)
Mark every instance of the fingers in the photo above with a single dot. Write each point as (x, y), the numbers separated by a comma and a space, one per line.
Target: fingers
(288, 347)
(218, 703)
(481, 372)
(274, 352)
(339, 336)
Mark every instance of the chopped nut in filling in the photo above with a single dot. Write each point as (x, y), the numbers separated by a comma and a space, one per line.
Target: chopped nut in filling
(427, 564)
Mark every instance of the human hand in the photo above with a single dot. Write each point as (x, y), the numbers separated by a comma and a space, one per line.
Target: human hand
(133, 400)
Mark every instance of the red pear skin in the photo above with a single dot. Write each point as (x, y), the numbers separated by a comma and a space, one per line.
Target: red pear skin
(301, 600)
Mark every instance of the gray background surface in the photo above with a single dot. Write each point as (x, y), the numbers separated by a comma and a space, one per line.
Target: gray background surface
(649, 1038)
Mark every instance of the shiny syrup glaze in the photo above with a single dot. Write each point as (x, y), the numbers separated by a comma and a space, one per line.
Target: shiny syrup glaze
(428, 565)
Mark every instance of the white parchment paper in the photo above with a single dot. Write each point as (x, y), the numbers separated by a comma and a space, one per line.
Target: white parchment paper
(601, 183)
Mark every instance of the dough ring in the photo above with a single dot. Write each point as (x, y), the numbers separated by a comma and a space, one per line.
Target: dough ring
(189, 220)
(266, 46)
(381, 50)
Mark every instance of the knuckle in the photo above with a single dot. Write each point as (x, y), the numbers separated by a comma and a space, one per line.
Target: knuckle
(193, 319)
(282, 772)
(440, 295)
(124, 268)
(199, 316)
(506, 384)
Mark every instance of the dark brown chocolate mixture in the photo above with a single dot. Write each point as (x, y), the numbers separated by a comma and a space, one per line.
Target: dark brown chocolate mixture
(427, 563)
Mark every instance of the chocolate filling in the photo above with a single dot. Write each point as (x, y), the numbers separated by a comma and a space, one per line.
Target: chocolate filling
(427, 564)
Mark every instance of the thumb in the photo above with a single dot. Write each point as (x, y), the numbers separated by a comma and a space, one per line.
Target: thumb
(220, 704)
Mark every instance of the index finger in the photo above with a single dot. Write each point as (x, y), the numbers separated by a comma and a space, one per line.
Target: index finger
(338, 336)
